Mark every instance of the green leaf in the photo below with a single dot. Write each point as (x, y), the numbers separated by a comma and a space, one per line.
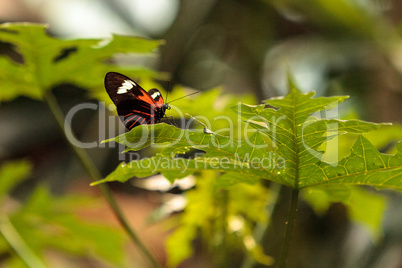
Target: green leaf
(213, 213)
(199, 211)
(385, 137)
(229, 179)
(48, 222)
(221, 154)
(11, 173)
(341, 17)
(292, 157)
(365, 207)
(48, 61)
(214, 105)
(179, 245)
(364, 166)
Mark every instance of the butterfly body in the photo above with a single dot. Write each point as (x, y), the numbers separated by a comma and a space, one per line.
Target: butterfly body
(134, 105)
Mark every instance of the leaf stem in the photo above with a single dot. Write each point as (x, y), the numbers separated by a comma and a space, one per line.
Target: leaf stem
(289, 228)
(261, 229)
(95, 175)
(14, 239)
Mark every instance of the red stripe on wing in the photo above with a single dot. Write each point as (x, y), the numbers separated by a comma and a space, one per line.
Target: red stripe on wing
(135, 120)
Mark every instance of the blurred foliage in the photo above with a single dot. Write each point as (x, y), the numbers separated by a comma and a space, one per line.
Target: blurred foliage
(224, 218)
(45, 62)
(343, 18)
(364, 207)
(11, 173)
(350, 47)
(211, 108)
(47, 223)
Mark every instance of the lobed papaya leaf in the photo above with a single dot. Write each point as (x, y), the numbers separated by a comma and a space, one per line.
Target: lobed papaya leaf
(48, 61)
(293, 158)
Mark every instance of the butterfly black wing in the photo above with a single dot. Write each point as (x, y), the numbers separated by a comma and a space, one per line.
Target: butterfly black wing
(134, 105)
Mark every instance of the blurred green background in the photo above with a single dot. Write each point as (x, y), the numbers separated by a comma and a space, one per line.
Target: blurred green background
(349, 47)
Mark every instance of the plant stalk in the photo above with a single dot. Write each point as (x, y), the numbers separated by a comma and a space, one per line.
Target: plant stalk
(289, 229)
(261, 229)
(14, 239)
(95, 174)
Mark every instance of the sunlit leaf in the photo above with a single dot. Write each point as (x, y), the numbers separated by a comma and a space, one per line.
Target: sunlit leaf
(294, 161)
(11, 173)
(48, 61)
(48, 222)
(366, 208)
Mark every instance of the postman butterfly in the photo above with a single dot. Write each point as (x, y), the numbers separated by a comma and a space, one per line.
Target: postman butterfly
(134, 104)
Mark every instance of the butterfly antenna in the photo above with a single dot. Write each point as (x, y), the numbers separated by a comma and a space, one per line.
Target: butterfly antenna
(167, 91)
(185, 96)
(206, 130)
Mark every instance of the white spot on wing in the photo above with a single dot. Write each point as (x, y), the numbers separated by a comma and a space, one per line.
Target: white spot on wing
(156, 94)
(126, 86)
